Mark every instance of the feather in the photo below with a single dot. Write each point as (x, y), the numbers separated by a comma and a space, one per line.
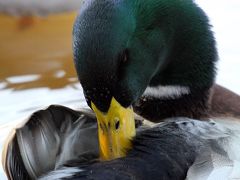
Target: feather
(49, 139)
(62, 143)
(177, 148)
(220, 159)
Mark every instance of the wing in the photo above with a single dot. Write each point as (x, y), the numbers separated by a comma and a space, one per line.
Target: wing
(49, 139)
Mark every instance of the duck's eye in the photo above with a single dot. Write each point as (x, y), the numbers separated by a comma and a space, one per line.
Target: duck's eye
(117, 124)
(124, 56)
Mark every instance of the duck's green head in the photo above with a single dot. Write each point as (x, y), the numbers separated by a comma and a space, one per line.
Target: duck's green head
(119, 49)
(104, 35)
(110, 58)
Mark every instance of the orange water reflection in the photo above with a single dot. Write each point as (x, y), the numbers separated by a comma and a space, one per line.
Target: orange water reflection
(36, 68)
(34, 45)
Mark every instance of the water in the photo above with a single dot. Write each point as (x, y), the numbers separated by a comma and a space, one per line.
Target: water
(36, 68)
(40, 72)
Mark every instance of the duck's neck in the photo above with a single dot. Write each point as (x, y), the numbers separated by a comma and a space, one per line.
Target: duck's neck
(181, 85)
(173, 101)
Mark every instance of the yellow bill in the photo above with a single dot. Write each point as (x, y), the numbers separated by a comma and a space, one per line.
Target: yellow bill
(116, 128)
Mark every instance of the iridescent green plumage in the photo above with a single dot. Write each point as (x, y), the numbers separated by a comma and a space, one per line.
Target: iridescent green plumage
(163, 42)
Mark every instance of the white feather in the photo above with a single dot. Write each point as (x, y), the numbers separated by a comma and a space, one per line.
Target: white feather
(64, 172)
(166, 91)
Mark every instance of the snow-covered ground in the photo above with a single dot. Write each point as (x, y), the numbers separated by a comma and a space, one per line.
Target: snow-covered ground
(225, 18)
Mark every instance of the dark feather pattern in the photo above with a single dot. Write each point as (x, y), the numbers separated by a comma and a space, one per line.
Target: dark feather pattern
(176, 149)
(49, 139)
(15, 168)
(173, 149)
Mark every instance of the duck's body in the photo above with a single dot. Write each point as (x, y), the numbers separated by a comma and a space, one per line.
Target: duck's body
(224, 103)
(59, 143)
(179, 148)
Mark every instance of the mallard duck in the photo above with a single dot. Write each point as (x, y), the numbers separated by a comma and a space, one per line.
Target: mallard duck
(156, 56)
(159, 58)
(60, 143)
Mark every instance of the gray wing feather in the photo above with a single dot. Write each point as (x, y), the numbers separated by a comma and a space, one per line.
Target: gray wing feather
(220, 158)
(49, 139)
